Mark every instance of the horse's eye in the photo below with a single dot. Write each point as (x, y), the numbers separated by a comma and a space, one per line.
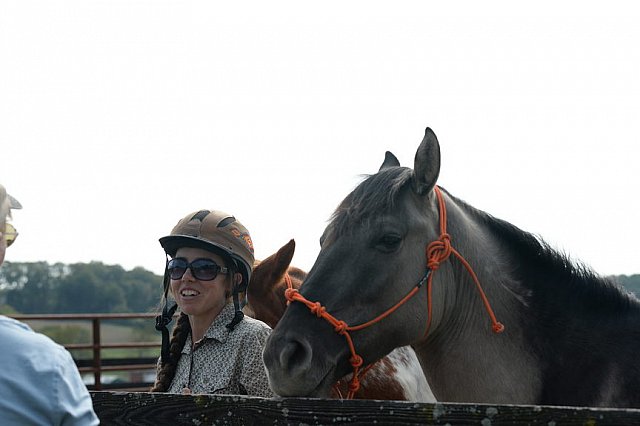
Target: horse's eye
(388, 242)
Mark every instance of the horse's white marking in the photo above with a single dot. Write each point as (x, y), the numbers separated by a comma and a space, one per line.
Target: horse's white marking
(410, 376)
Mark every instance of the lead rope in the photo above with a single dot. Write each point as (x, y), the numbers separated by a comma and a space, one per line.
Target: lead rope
(437, 252)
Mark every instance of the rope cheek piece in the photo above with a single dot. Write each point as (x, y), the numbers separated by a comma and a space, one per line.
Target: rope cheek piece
(436, 252)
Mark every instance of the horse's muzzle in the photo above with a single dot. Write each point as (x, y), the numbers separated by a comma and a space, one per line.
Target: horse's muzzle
(296, 368)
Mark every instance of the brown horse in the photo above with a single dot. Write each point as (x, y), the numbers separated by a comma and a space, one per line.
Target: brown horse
(397, 376)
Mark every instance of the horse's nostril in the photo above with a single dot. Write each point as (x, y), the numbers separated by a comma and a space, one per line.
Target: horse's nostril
(295, 356)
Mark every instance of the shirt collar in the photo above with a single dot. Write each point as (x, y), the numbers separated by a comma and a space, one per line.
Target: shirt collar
(217, 330)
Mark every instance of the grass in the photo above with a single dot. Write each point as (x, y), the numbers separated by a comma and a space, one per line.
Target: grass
(109, 332)
(78, 331)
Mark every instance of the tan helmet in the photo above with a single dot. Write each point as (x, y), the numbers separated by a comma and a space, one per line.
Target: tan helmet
(215, 231)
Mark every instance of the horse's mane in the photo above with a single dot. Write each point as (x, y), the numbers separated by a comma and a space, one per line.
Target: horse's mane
(542, 267)
(552, 274)
(377, 193)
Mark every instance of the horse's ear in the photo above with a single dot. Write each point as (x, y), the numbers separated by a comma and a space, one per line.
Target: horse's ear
(277, 263)
(427, 164)
(285, 254)
(390, 160)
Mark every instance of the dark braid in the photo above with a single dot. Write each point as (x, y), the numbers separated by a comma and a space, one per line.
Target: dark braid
(168, 369)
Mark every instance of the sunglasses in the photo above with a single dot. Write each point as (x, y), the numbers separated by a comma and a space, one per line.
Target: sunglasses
(201, 269)
(10, 234)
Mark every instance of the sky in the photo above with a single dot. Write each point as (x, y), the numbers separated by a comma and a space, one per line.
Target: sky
(119, 117)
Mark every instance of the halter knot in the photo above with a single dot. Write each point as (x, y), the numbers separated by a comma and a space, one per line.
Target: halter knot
(354, 385)
(356, 361)
(498, 327)
(438, 251)
(317, 309)
(289, 294)
(341, 327)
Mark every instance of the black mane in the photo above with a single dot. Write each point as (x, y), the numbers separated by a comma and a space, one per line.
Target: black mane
(555, 278)
(377, 193)
(539, 266)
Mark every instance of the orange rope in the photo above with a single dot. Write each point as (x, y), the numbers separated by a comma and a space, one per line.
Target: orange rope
(437, 252)
(340, 327)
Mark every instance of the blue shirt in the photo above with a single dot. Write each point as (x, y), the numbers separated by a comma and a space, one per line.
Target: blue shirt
(39, 381)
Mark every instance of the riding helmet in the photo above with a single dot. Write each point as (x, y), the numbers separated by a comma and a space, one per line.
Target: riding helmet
(215, 231)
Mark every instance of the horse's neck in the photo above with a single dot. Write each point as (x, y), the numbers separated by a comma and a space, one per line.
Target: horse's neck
(454, 283)
(506, 367)
(463, 360)
(521, 275)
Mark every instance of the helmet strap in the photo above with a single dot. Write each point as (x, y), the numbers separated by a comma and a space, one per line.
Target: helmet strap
(164, 319)
(239, 314)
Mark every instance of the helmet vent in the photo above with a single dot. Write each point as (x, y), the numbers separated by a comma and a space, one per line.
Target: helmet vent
(200, 215)
(226, 221)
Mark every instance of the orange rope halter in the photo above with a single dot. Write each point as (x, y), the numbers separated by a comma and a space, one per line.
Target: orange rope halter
(437, 252)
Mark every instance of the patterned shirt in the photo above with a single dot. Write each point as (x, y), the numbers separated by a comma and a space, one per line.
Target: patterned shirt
(225, 362)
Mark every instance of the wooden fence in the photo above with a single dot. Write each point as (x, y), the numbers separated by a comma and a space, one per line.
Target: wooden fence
(143, 408)
(119, 408)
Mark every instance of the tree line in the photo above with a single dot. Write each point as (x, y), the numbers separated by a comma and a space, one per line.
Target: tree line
(41, 288)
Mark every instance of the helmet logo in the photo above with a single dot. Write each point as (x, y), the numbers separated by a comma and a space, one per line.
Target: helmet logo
(246, 237)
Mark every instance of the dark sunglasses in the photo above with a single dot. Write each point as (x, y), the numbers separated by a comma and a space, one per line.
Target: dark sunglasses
(10, 234)
(201, 269)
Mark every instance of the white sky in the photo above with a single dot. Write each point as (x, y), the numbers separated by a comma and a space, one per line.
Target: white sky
(119, 117)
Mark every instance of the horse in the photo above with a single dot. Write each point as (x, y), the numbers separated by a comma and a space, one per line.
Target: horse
(398, 376)
(494, 313)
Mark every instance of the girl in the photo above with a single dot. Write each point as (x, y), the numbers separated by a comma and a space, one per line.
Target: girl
(214, 347)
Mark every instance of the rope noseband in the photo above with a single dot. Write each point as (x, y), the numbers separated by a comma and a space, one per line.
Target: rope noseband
(437, 252)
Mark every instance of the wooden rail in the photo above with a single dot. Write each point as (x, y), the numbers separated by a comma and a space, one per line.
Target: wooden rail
(97, 365)
(166, 409)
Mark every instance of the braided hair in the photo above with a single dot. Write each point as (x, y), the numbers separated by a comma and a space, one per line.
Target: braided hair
(168, 368)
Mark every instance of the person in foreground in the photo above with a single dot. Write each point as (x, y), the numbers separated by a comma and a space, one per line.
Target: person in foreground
(39, 382)
(214, 348)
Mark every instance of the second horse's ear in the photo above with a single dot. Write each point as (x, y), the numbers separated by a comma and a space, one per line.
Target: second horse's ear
(285, 254)
(426, 167)
(390, 160)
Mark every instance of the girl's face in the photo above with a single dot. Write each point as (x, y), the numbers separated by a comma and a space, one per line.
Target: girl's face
(200, 298)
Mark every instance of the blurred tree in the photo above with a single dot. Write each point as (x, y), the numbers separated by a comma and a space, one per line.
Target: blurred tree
(38, 287)
(143, 290)
(630, 282)
(31, 287)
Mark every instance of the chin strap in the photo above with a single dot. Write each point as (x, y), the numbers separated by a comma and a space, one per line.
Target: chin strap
(162, 321)
(239, 314)
(165, 318)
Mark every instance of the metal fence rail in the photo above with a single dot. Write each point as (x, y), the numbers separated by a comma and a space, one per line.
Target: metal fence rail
(97, 364)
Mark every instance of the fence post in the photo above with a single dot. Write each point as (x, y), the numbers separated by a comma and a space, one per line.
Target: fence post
(97, 367)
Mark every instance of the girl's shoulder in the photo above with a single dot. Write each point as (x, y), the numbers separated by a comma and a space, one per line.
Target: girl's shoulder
(254, 324)
(251, 328)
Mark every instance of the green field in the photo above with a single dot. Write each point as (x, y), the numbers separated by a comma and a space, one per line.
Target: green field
(67, 332)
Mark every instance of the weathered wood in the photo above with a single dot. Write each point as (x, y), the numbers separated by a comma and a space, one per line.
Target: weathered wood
(141, 408)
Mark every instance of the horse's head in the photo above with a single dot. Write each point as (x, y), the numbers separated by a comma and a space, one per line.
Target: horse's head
(265, 293)
(372, 255)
